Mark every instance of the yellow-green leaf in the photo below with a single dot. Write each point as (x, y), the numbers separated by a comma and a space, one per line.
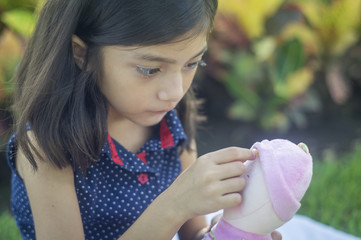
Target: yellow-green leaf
(336, 23)
(11, 50)
(20, 20)
(251, 14)
(264, 48)
(11, 4)
(309, 38)
(299, 82)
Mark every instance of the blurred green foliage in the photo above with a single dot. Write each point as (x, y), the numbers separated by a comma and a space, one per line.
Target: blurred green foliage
(266, 52)
(8, 228)
(17, 21)
(21, 21)
(6, 5)
(269, 52)
(334, 194)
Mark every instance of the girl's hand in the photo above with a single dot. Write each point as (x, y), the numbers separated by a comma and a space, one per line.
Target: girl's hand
(211, 183)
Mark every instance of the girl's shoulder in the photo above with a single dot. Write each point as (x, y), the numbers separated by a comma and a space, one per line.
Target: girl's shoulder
(21, 164)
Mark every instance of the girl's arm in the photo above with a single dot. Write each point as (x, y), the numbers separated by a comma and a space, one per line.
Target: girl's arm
(56, 212)
(53, 200)
(194, 227)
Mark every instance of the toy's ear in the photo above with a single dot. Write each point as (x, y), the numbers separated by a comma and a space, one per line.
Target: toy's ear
(79, 51)
(304, 147)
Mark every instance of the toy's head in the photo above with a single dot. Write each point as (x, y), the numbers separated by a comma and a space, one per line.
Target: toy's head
(276, 182)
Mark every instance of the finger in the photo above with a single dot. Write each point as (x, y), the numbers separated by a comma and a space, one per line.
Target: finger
(230, 200)
(230, 170)
(231, 154)
(232, 185)
(276, 235)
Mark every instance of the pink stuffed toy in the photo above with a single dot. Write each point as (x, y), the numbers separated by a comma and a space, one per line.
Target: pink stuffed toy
(276, 182)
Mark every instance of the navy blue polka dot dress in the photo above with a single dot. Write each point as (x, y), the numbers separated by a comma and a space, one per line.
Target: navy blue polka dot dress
(118, 188)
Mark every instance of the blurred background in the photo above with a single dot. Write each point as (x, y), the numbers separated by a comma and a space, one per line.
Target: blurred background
(276, 69)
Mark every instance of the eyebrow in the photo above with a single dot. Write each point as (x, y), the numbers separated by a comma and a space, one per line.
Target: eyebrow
(154, 58)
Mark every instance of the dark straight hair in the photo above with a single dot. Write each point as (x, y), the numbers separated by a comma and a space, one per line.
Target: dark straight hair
(62, 103)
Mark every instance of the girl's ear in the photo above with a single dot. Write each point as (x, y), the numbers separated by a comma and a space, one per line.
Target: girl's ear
(79, 51)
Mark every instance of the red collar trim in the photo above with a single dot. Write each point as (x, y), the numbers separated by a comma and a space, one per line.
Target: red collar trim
(113, 151)
(142, 156)
(166, 138)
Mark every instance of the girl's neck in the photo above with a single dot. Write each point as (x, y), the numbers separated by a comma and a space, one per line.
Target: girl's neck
(129, 134)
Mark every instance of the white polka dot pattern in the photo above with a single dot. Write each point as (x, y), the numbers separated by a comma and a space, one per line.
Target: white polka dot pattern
(112, 196)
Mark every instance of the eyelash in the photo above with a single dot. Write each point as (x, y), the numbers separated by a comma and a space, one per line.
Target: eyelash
(149, 72)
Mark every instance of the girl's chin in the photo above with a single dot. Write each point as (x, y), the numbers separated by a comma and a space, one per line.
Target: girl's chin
(153, 119)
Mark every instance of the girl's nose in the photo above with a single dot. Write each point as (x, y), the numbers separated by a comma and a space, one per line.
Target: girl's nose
(172, 90)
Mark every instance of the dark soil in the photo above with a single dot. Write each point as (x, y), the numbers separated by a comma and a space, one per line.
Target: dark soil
(336, 135)
(335, 129)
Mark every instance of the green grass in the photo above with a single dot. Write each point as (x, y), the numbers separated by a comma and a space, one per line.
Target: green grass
(8, 228)
(334, 197)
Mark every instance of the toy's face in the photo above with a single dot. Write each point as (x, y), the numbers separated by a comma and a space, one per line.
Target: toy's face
(256, 213)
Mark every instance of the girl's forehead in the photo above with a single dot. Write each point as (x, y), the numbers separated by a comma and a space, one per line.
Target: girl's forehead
(191, 47)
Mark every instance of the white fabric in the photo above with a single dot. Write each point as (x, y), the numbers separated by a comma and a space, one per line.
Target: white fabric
(304, 228)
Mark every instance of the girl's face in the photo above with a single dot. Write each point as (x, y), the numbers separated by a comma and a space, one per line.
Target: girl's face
(142, 84)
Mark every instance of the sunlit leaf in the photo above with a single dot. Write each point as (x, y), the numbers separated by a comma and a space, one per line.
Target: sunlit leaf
(242, 79)
(310, 41)
(313, 10)
(275, 120)
(11, 4)
(239, 90)
(243, 111)
(21, 21)
(264, 48)
(336, 22)
(11, 49)
(299, 82)
(247, 68)
(251, 14)
(344, 43)
(38, 7)
(346, 14)
(289, 58)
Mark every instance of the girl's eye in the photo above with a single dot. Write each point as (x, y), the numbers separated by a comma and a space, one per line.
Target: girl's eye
(148, 72)
(193, 65)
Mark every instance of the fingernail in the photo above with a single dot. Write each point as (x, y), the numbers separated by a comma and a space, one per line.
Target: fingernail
(254, 152)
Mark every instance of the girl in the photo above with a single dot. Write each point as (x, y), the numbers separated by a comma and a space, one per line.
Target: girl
(106, 122)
